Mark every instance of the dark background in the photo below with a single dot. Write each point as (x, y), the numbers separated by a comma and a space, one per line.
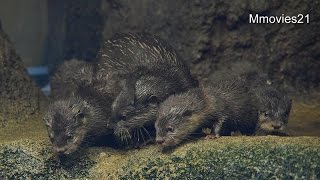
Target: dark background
(208, 34)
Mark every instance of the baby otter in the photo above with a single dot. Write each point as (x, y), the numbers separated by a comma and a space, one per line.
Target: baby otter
(72, 120)
(273, 105)
(137, 121)
(225, 106)
(81, 112)
(151, 71)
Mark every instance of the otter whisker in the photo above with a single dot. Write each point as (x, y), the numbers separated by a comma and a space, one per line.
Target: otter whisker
(146, 131)
(122, 136)
(129, 135)
(142, 135)
(138, 135)
(134, 134)
(171, 137)
(126, 138)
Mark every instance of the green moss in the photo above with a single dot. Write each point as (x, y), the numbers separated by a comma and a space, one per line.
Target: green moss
(26, 159)
(264, 159)
(223, 158)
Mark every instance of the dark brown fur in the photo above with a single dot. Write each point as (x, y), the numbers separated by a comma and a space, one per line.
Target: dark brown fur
(81, 112)
(150, 71)
(225, 105)
(273, 105)
(68, 76)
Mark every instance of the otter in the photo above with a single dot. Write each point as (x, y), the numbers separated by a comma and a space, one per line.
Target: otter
(137, 121)
(224, 107)
(150, 71)
(81, 112)
(67, 77)
(273, 105)
(72, 120)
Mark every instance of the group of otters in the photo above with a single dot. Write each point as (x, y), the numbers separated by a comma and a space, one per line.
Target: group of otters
(140, 89)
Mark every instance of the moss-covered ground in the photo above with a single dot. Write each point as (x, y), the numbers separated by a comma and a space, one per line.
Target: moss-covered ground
(268, 157)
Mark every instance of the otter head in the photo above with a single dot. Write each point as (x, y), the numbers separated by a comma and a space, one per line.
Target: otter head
(67, 122)
(274, 111)
(133, 117)
(178, 117)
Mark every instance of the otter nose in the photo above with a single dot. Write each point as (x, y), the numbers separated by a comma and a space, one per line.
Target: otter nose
(160, 141)
(60, 150)
(276, 126)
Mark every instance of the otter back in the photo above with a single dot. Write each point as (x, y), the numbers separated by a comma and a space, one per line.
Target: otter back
(234, 109)
(133, 55)
(69, 76)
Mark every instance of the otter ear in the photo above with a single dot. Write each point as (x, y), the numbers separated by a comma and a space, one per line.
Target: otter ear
(153, 99)
(187, 113)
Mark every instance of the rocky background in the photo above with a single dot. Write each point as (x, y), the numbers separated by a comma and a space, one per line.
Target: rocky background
(20, 98)
(208, 34)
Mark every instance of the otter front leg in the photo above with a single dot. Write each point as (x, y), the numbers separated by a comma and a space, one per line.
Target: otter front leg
(215, 131)
(208, 132)
(220, 127)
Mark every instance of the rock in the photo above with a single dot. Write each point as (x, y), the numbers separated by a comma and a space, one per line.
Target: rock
(208, 34)
(20, 98)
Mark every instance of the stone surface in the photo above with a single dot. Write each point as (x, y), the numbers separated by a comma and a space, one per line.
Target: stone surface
(20, 98)
(209, 34)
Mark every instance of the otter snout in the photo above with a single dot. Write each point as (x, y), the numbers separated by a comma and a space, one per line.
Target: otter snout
(61, 151)
(277, 125)
(160, 140)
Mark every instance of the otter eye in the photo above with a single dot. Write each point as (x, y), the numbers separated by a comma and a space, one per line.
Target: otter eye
(169, 129)
(81, 115)
(123, 117)
(152, 99)
(266, 114)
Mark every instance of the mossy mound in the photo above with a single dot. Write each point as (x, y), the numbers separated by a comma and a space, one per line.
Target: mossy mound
(34, 160)
(223, 158)
(263, 158)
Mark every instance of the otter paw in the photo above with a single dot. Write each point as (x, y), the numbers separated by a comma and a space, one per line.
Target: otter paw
(211, 136)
